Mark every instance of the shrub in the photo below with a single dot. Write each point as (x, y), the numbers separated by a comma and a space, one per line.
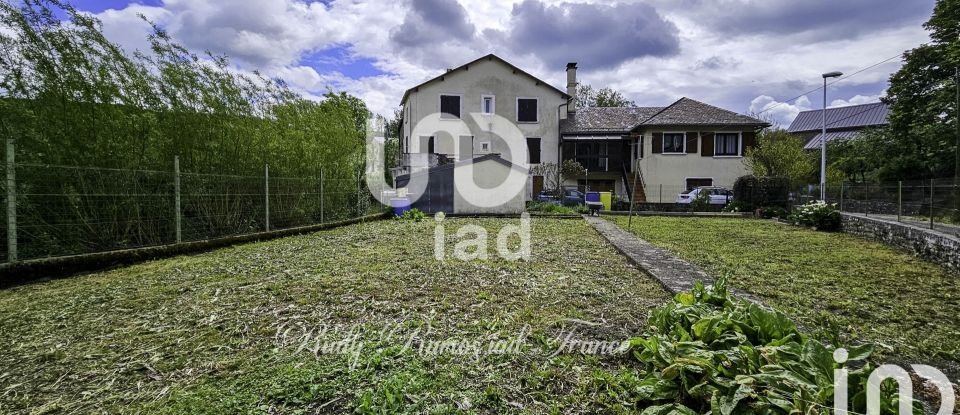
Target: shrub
(414, 214)
(818, 214)
(710, 353)
(702, 202)
(769, 212)
(757, 192)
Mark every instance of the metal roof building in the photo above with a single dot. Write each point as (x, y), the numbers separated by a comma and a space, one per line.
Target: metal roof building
(842, 122)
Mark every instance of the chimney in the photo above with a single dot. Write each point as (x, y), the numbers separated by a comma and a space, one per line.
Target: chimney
(572, 87)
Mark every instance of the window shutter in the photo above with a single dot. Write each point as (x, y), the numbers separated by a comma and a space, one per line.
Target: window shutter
(692, 142)
(707, 149)
(749, 141)
(657, 143)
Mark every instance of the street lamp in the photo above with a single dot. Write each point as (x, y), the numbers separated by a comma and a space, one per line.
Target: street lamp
(823, 137)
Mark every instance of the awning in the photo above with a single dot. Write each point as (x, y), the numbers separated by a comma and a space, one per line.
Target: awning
(592, 137)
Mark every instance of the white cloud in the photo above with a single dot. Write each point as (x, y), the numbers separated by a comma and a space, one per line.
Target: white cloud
(856, 100)
(779, 113)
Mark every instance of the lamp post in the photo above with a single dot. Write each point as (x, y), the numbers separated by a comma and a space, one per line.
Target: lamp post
(823, 137)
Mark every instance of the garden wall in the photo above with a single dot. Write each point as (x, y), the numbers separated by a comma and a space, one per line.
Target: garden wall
(928, 244)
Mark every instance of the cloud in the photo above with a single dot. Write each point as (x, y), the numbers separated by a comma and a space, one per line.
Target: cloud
(814, 19)
(779, 113)
(597, 35)
(856, 100)
(433, 21)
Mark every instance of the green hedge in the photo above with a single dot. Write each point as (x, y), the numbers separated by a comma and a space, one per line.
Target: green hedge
(751, 192)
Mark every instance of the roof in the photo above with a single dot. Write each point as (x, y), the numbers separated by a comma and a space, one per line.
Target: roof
(467, 65)
(814, 143)
(684, 111)
(605, 119)
(688, 111)
(489, 156)
(854, 116)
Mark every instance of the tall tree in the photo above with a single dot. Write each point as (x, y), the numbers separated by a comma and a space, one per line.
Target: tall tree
(923, 102)
(603, 97)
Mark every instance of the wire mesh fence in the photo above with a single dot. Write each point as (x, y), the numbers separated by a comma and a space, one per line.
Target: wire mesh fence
(930, 203)
(71, 210)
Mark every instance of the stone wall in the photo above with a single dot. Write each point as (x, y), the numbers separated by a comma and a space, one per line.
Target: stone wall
(928, 244)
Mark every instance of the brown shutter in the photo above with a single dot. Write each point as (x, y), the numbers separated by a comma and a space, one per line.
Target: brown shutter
(692, 140)
(657, 143)
(707, 146)
(749, 141)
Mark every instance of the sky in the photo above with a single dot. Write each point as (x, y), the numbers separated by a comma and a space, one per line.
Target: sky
(744, 55)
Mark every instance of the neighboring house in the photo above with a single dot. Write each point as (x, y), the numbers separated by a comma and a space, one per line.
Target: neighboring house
(675, 148)
(842, 123)
(685, 144)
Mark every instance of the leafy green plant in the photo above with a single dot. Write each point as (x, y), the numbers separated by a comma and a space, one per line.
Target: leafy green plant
(818, 214)
(755, 192)
(709, 353)
(415, 215)
(702, 202)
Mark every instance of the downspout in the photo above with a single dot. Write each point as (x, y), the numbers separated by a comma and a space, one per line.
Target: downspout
(560, 144)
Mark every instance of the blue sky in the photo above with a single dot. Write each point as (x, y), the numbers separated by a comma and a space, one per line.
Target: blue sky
(744, 55)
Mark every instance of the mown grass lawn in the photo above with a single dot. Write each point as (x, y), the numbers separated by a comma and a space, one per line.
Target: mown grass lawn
(828, 282)
(235, 330)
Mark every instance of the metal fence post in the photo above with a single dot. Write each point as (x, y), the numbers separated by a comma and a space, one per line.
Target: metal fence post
(931, 203)
(899, 200)
(321, 194)
(176, 197)
(842, 188)
(11, 202)
(266, 196)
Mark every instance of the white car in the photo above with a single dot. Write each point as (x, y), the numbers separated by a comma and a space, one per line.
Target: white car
(717, 195)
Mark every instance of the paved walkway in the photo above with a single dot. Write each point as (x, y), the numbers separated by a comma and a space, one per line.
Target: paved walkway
(675, 274)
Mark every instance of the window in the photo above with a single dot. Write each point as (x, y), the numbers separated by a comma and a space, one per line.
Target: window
(727, 144)
(533, 150)
(527, 110)
(488, 104)
(485, 146)
(449, 106)
(674, 142)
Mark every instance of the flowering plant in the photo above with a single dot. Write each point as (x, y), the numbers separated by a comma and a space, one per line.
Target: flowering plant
(818, 214)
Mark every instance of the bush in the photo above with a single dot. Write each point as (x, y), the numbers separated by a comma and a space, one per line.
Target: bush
(710, 353)
(702, 202)
(818, 214)
(414, 214)
(757, 192)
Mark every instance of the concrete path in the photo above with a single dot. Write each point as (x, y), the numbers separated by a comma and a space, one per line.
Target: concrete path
(675, 274)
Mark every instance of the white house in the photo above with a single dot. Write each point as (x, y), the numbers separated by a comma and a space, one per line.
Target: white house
(685, 144)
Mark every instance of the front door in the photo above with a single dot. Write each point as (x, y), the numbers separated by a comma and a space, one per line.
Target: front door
(537, 185)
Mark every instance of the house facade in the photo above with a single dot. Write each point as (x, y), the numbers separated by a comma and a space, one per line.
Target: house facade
(634, 152)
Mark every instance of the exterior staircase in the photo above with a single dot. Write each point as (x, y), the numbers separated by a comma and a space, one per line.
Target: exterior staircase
(637, 195)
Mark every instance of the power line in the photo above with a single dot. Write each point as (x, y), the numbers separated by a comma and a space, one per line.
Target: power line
(831, 83)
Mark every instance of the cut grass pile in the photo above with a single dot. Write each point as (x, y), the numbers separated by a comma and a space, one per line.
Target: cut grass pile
(830, 283)
(319, 323)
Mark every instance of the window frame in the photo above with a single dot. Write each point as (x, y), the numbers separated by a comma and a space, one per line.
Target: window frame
(493, 104)
(445, 116)
(683, 142)
(485, 143)
(717, 154)
(536, 113)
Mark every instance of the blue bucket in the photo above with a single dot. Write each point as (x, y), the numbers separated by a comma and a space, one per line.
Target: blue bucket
(399, 205)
